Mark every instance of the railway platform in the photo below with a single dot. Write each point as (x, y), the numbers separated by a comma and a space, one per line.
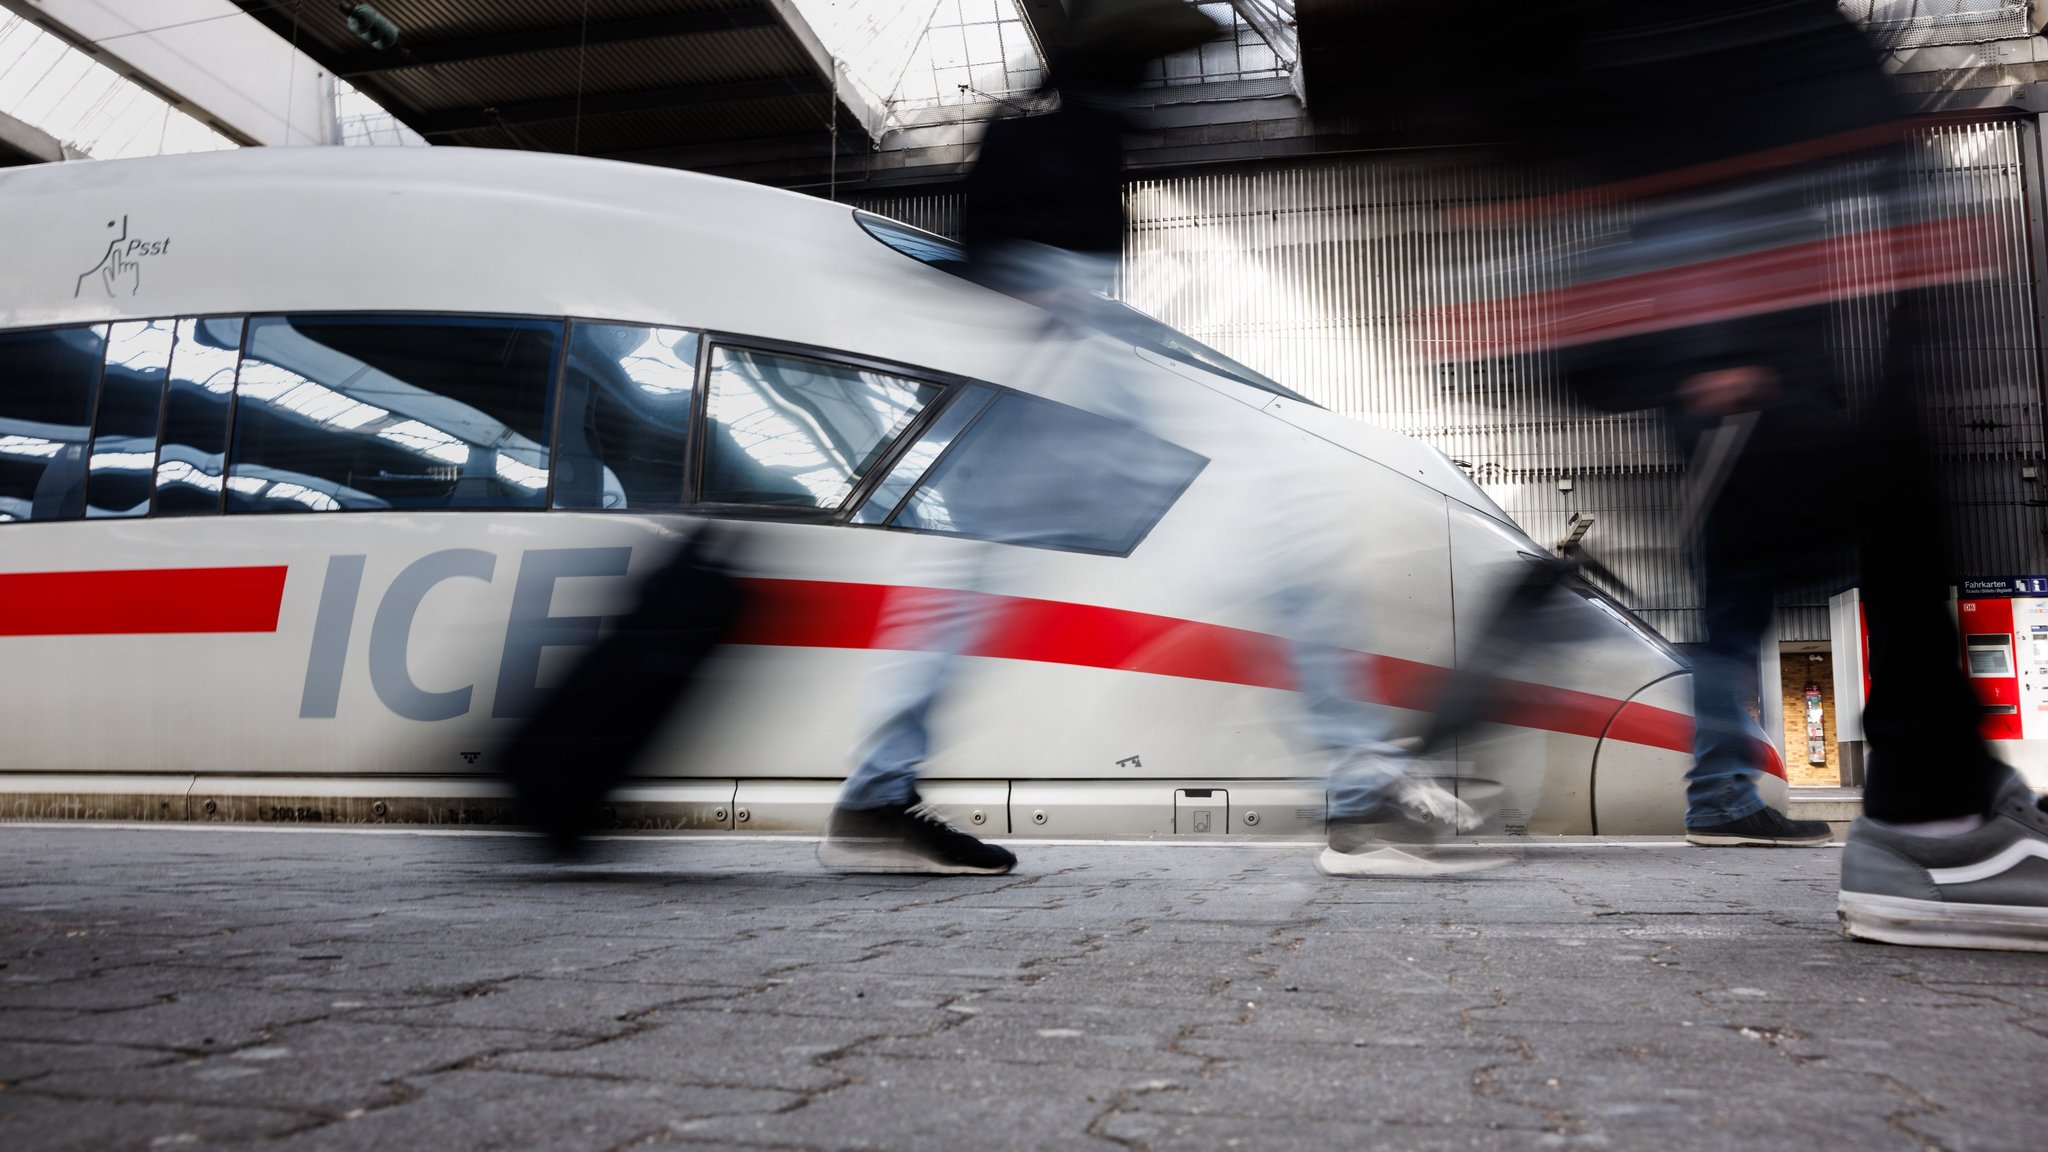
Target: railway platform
(265, 988)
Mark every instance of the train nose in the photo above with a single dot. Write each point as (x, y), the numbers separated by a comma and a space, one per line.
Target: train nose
(1595, 735)
(1637, 786)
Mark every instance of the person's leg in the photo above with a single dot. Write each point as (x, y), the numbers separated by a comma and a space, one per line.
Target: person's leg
(1746, 557)
(1927, 760)
(1952, 849)
(923, 631)
(880, 824)
(1385, 817)
(1720, 787)
(1364, 763)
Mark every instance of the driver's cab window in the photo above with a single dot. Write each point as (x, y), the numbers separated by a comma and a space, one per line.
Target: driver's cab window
(792, 432)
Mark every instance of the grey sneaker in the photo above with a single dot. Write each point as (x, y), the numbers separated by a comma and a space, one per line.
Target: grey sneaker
(1983, 889)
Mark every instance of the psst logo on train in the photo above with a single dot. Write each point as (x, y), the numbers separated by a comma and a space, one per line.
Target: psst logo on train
(120, 264)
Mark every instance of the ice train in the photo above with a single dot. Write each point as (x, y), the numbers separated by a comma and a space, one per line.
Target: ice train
(317, 465)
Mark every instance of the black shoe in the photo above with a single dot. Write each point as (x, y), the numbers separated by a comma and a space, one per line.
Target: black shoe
(1765, 828)
(906, 838)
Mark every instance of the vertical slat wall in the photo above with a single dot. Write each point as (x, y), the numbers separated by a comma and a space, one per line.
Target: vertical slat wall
(1984, 407)
(1323, 274)
(933, 213)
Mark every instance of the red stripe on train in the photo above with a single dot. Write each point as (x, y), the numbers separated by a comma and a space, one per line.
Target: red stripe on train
(818, 614)
(140, 601)
(830, 614)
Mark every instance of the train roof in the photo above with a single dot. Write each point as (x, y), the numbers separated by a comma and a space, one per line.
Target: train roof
(434, 229)
(261, 230)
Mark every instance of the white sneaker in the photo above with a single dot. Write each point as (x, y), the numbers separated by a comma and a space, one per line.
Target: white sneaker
(1415, 862)
(1429, 803)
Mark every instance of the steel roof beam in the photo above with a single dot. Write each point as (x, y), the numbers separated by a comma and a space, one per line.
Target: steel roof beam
(410, 55)
(1272, 27)
(867, 109)
(613, 104)
(1047, 20)
(24, 143)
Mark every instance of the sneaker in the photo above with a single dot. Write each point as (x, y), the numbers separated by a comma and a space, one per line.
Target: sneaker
(906, 838)
(1982, 889)
(1427, 803)
(1413, 861)
(1764, 828)
(1401, 837)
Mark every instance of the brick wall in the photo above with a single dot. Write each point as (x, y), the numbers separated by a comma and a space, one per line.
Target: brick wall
(1797, 670)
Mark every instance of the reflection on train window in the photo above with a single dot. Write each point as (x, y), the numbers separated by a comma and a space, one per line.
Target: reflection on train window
(47, 382)
(118, 470)
(1031, 471)
(938, 436)
(191, 463)
(367, 412)
(798, 433)
(625, 417)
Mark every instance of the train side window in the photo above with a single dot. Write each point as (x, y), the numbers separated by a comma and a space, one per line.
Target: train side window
(1032, 471)
(48, 382)
(790, 432)
(625, 417)
(939, 435)
(118, 469)
(405, 412)
(191, 463)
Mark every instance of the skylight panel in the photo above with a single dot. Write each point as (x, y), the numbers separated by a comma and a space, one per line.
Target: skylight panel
(972, 51)
(50, 85)
(1240, 53)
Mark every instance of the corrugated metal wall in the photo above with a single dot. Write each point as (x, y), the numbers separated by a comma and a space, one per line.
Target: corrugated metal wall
(1316, 273)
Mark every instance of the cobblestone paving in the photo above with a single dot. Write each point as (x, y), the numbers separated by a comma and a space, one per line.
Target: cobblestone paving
(213, 988)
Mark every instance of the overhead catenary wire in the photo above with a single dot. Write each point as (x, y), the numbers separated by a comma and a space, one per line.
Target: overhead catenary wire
(582, 51)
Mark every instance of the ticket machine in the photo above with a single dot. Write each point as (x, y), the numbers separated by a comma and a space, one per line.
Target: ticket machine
(2003, 622)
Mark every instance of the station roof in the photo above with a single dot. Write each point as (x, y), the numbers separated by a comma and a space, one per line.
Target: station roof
(568, 76)
(711, 83)
(794, 92)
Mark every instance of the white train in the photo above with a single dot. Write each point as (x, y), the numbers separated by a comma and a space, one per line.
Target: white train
(318, 464)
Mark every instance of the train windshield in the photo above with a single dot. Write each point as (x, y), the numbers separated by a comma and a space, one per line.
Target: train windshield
(1112, 316)
(1604, 602)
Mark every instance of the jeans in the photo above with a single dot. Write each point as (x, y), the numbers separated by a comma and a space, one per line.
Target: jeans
(1721, 784)
(928, 628)
(1750, 547)
(1364, 764)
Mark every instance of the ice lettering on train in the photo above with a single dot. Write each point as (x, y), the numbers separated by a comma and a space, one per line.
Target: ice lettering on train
(391, 634)
(532, 631)
(330, 637)
(529, 632)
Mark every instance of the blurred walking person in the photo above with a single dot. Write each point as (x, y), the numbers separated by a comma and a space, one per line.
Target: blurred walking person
(1043, 222)
(1755, 147)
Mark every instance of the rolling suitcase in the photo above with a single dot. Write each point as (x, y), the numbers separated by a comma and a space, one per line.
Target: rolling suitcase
(594, 727)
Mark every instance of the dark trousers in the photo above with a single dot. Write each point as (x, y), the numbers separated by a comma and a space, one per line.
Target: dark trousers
(1927, 761)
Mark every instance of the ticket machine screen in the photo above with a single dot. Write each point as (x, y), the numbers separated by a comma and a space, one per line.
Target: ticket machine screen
(1990, 653)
